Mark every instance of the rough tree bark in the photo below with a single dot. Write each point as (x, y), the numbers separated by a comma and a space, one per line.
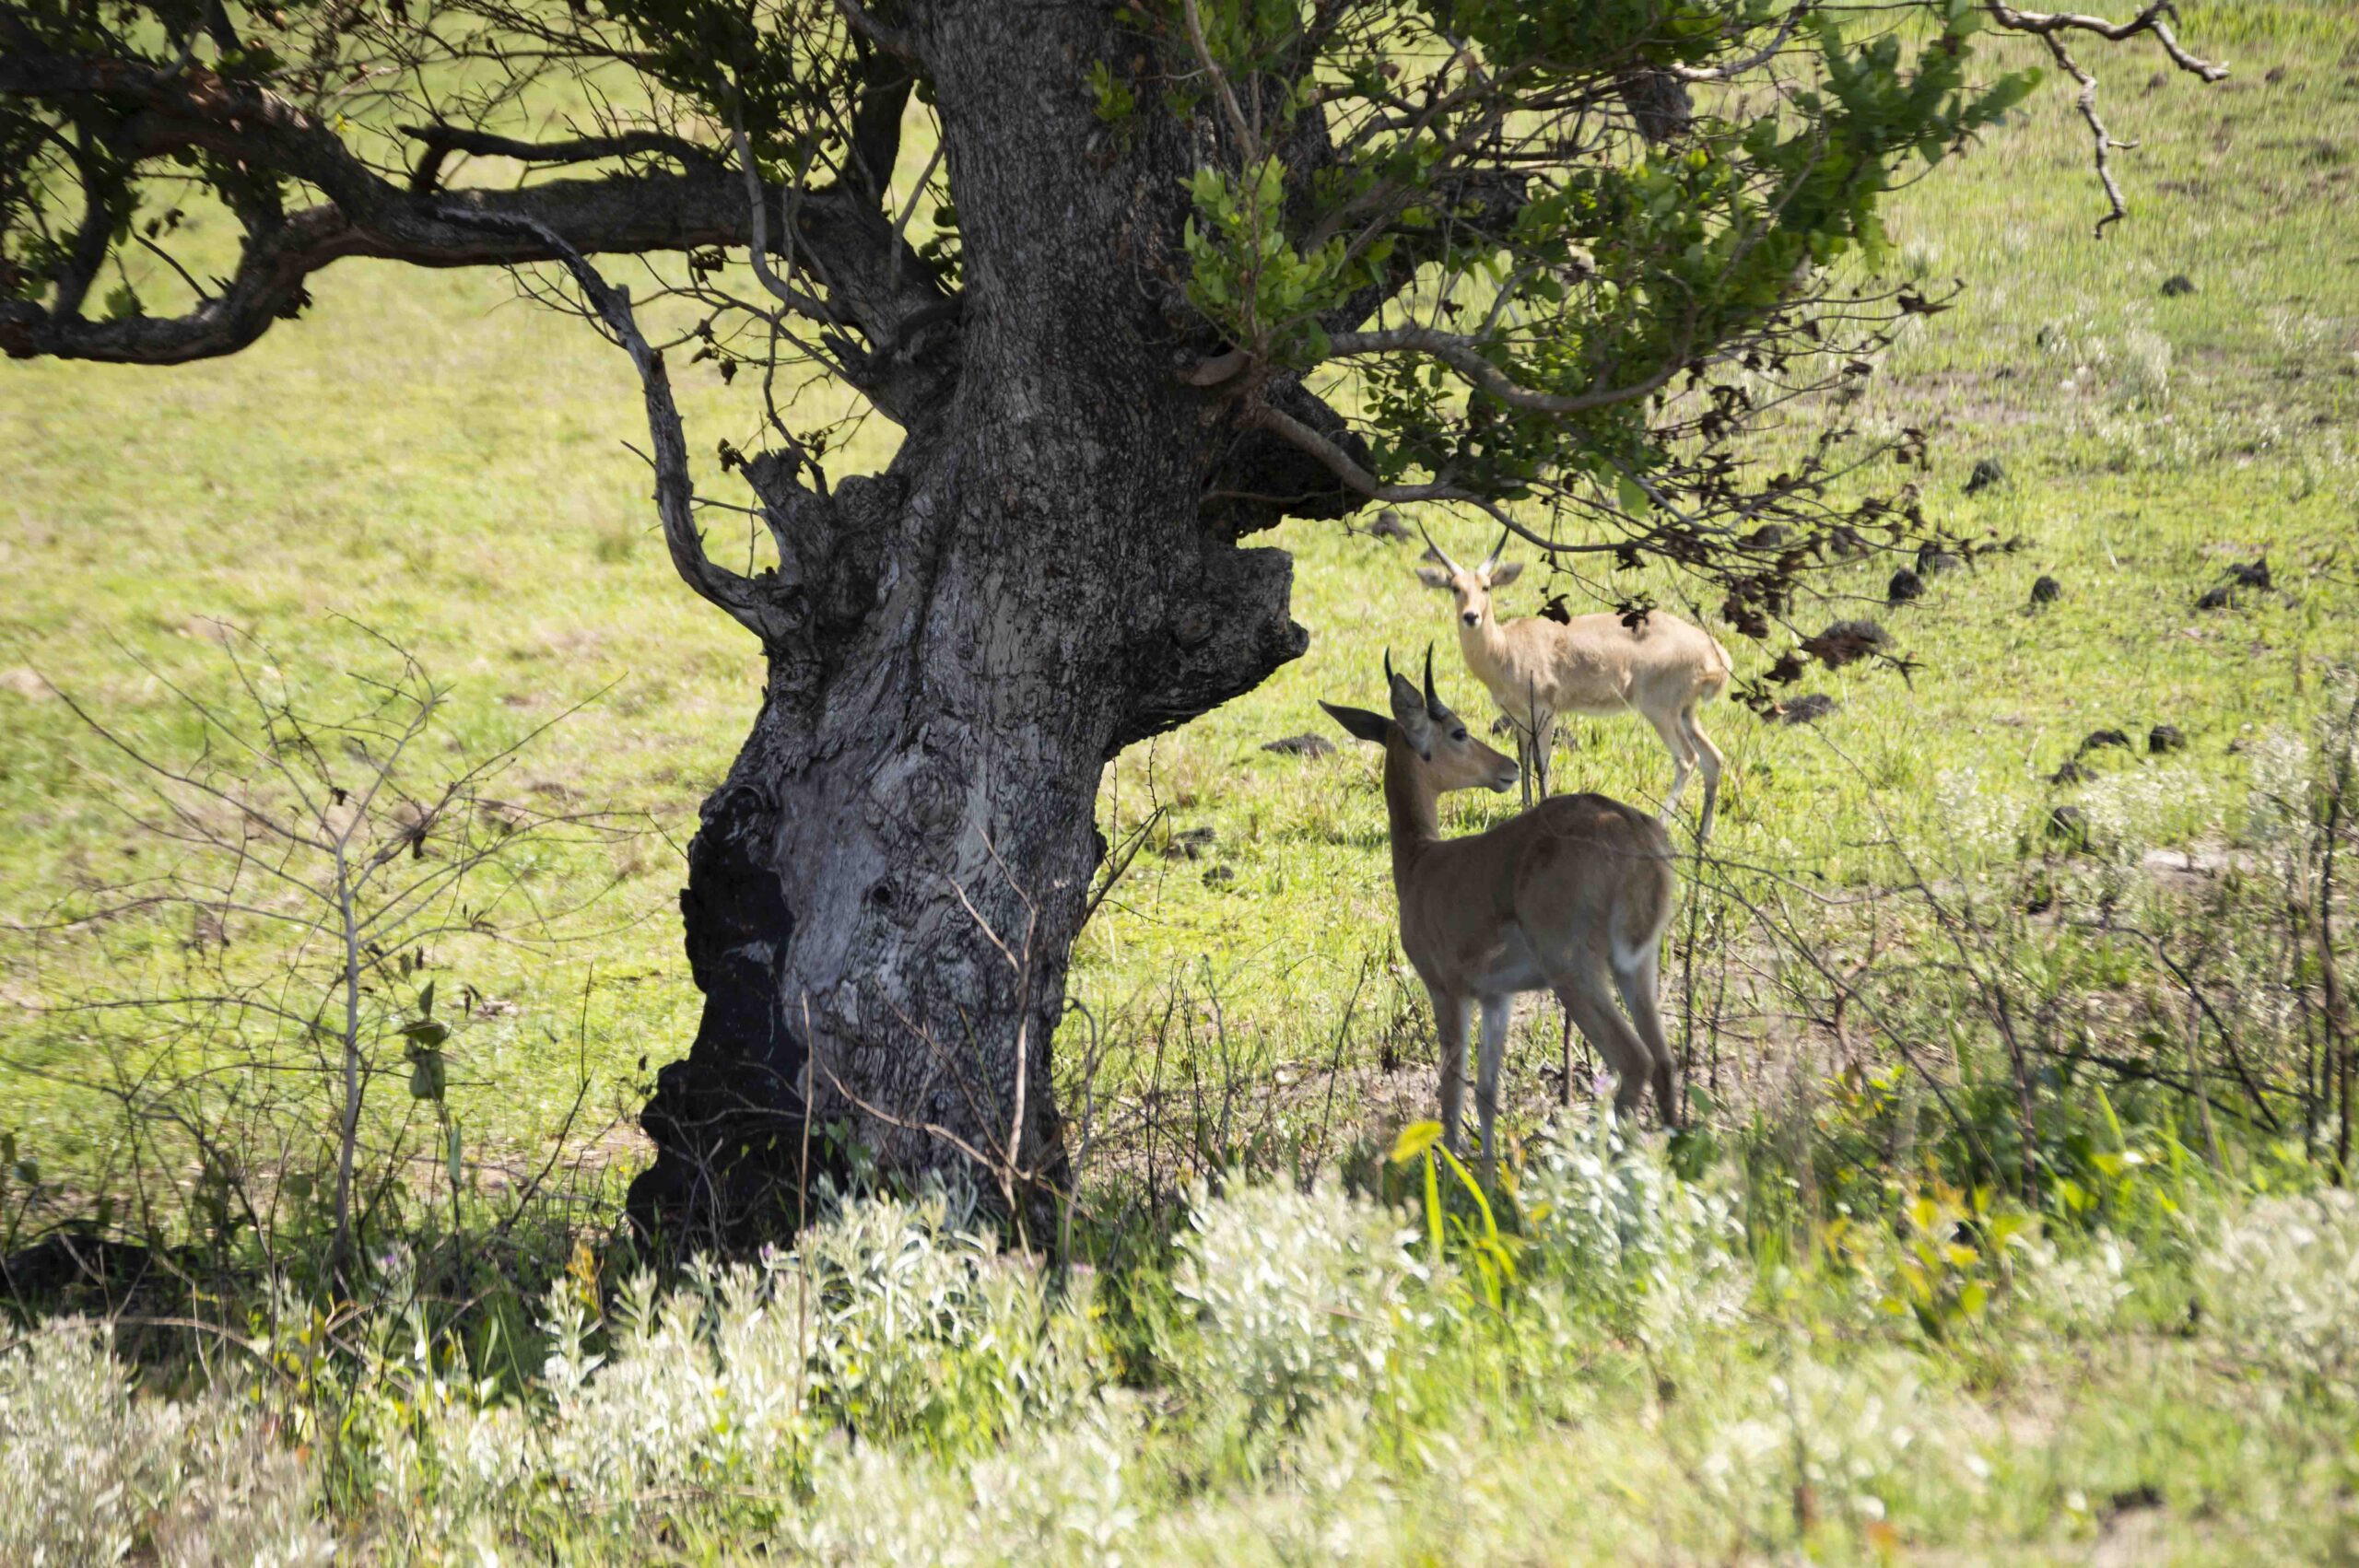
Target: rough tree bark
(884, 891)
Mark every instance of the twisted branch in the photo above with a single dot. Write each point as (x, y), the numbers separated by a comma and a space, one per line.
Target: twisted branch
(2051, 29)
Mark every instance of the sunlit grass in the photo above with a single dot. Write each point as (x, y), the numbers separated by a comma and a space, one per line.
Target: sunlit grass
(429, 456)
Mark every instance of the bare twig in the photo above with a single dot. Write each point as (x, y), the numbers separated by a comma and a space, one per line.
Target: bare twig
(2053, 29)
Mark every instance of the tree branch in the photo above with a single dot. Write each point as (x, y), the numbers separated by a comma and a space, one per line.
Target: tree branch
(440, 141)
(1752, 62)
(841, 237)
(674, 491)
(1235, 633)
(1249, 145)
(1464, 356)
(863, 23)
(2051, 27)
(1358, 479)
(1340, 463)
(876, 140)
(2155, 19)
(1263, 478)
(758, 210)
(2101, 139)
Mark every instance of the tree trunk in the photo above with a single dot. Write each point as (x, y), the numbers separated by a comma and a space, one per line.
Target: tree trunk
(884, 893)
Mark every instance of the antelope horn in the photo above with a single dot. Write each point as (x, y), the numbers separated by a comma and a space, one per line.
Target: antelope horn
(1502, 544)
(1434, 708)
(1432, 551)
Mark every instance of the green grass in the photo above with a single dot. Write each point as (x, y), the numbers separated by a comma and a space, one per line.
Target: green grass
(2134, 485)
(431, 457)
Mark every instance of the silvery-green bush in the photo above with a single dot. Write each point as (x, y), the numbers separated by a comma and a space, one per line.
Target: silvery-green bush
(896, 1321)
(2278, 805)
(921, 1329)
(2280, 1286)
(1053, 1497)
(92, 1473)
(1604, 1213)
(2131, 810)
(1977, 818)
(1301, 1296)
(2078, 1293)
(1848, 1438)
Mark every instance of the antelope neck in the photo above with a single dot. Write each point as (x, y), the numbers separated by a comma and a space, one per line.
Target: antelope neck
(1479, 642)
(1409, 803)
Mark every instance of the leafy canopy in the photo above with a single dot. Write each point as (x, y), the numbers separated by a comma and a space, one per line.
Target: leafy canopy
(1605, 270)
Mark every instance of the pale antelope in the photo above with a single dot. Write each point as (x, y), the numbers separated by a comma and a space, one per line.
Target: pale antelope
(1535, 669)
(1571, 897)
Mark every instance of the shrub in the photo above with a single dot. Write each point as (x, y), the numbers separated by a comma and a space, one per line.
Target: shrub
(91, 1473)
(921, 1330)
(2282, 1286)
(895, 1320)
(1604, 1212)
(1835, 1443)
(1053, 1497)
(1975, 816)
(1302, 1295)
(2079, 1294)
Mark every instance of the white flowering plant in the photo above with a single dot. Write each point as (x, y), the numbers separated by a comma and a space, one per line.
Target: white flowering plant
(2280, 1286)
(1819, 1442)
(1604, 1212)
(1055, 1497)
(897, 1321)
(93, 1473)
(1301, 1296)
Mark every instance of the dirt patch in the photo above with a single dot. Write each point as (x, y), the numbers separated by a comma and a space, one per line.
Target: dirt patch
(1966, 399)
(2195, 870)
(28, 682)
(2136, 1536)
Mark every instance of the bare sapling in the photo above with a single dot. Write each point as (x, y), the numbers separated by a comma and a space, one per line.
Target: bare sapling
(302, 874)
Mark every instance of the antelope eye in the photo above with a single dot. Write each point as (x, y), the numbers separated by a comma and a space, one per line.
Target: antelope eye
(1458, 734)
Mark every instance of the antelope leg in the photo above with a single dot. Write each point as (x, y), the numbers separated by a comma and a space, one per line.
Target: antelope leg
(1450, 1024)
(1498, 1011)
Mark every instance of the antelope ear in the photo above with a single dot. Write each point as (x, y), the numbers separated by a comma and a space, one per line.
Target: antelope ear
(1434, 577)
(1506, 572)
(1363, 725)
(1409, 712)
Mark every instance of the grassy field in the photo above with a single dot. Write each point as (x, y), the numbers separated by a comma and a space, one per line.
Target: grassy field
(445, 463)
(2149, 1359)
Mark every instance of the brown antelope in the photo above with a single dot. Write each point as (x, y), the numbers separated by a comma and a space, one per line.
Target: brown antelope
(1536, 669)
(1571, 897)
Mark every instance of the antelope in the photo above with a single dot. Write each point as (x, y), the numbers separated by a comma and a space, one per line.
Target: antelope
(1536, 669)
(1571, 897)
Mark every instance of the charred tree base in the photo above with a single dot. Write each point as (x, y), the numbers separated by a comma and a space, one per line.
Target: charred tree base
(735, 1160)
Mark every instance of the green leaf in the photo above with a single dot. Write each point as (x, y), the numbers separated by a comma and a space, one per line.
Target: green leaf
(1466, 1178)
(1414, 1139)
(1433, 1208)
